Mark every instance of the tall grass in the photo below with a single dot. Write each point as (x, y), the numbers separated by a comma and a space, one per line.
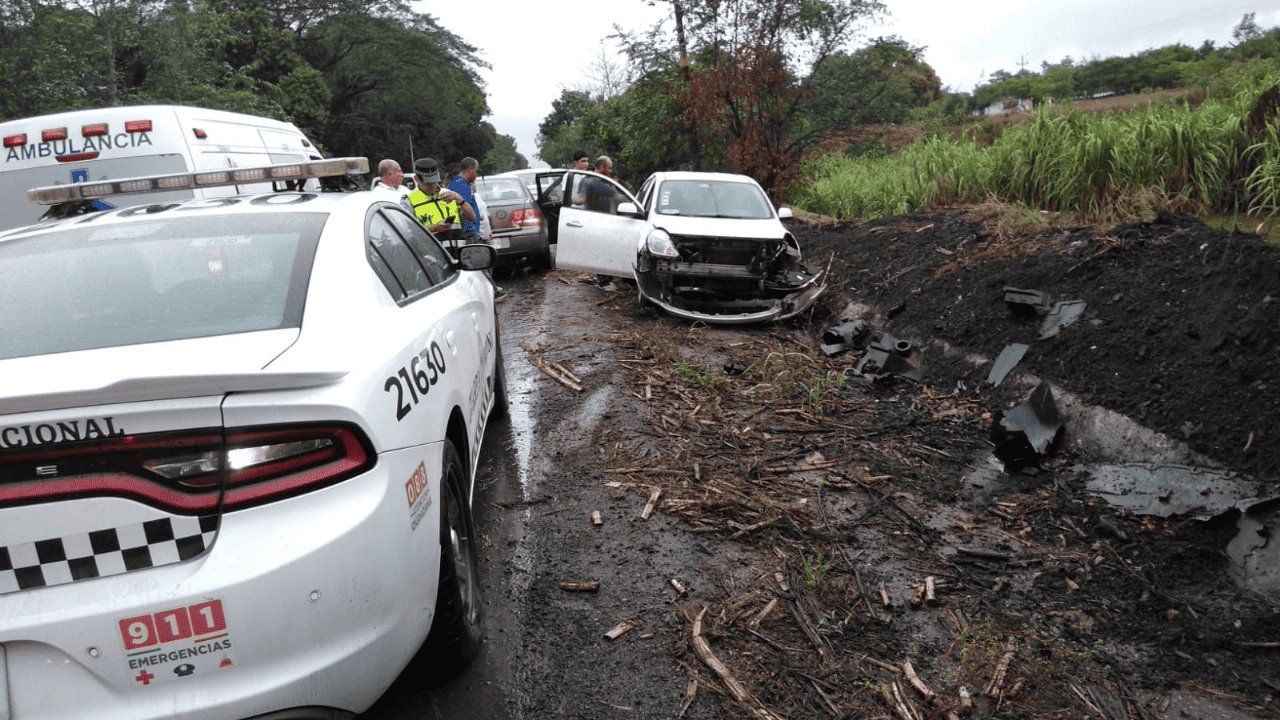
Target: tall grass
(1064, 160)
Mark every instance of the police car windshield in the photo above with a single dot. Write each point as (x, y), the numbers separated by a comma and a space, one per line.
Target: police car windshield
(85, 286)
(702, 198)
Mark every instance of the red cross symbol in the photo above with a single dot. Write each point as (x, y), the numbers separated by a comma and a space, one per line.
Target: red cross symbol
(144, 677)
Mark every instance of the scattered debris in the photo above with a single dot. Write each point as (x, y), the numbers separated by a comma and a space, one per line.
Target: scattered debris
(596, 518)
(587, 586)
(888, 355)
(556, 372)
(702, 649)
(622, 628)
(1026, 434)
(1173, 490)
(1063, 314)
(679, 586)
(848, 335)
(1010, 356)
(1026, 303)
(650, 506)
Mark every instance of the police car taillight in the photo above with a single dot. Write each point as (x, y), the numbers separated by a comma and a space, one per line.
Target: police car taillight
(93, 130)
(271, 464)
(134, 126)
(75, 192)
(15, 140)
(53, 134)
(185, 472)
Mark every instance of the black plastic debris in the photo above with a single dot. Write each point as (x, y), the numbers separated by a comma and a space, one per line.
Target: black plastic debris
(888, 355)
(1063, 314)
(734, 369)
(1027, 303)
(1027, 433)
(1009, 358)
(848, 335)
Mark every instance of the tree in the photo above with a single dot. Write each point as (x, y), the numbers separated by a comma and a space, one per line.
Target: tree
(880, 83)
(746, 67)
(503, 156)
(1247, 29)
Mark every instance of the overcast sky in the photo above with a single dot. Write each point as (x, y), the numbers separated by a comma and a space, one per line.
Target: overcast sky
(964, 42)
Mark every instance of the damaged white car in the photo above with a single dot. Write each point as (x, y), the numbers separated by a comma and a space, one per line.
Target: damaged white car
(700, 246)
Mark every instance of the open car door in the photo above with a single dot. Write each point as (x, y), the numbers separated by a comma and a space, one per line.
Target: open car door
(549, 196)
(592, 235)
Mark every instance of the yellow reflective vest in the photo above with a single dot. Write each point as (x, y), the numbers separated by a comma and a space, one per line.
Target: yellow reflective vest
(433, 210)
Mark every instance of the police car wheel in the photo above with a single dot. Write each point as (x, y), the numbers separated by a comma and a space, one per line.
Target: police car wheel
(455, 632)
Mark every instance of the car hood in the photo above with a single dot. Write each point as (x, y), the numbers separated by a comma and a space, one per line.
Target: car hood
(766, 229)
(154, 371)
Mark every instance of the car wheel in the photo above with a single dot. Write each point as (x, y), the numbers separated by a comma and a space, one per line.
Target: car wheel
(500, 397)
(455, 632)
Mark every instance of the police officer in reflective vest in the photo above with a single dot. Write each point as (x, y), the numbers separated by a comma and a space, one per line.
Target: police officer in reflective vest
(440, 210)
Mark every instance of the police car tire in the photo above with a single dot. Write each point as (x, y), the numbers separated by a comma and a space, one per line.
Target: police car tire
(500, 398)
(455, 632)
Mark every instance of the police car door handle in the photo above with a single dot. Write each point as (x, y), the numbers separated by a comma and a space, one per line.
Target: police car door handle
(573, 223)
(448, 338)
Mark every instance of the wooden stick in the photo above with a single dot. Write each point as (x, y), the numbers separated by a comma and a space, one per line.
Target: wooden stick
(929, 596)
(653, 503)
(702, 649)
(997, 680)
(580, 586)
(566, 372)
(622, 628)
(690, 693)
(596, 518)
(916, 682)
(761, 616)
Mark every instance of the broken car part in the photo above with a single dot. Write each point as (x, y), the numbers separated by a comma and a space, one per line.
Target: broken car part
(848, 335)
(1025, 435)
(888, 355)
(1009, 358)
(1027, 303)
(1063, 314)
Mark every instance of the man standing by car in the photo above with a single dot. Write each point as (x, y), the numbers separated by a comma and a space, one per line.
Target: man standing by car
(601, 196)
(389, 177)
(461, 185)
(437, 209)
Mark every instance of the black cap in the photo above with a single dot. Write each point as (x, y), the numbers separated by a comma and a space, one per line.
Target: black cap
(427, 169)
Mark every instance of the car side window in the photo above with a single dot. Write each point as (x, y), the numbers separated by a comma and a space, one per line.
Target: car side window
(436, 259)
(383, 271)
(398, 256)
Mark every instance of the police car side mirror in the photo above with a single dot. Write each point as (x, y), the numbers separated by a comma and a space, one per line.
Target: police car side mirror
(784, 213)
(476, 257)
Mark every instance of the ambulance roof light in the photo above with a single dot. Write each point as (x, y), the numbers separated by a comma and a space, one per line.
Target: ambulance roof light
(333, 167)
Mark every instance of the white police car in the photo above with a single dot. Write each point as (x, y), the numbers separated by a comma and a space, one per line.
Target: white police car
(238, 442)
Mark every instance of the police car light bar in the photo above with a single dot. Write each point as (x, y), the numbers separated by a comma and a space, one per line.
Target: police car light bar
(333, 167)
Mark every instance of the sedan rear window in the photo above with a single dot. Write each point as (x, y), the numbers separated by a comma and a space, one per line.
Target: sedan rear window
(87, 286)
(501, 189)
(701, 198)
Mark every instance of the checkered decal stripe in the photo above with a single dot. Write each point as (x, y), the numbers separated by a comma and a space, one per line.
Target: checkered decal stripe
(113, 551)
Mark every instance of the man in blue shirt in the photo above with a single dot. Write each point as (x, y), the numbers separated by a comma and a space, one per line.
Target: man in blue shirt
(461, 184)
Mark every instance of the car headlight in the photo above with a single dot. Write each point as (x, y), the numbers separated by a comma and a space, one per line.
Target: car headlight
(659, 243)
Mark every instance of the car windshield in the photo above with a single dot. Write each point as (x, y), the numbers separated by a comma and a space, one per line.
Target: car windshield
(85, 286)
(500, 190)
(713, 199)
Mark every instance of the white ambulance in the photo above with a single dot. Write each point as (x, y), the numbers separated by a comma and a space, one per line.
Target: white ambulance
(124, 142)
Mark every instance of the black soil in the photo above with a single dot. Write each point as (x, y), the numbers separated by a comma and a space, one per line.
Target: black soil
(1181, 331)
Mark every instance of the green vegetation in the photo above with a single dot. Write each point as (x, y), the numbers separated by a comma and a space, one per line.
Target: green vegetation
(360, 78)
(699, 377)
(1203, 158)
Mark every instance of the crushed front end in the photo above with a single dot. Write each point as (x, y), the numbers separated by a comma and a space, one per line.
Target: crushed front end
(727, 280)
